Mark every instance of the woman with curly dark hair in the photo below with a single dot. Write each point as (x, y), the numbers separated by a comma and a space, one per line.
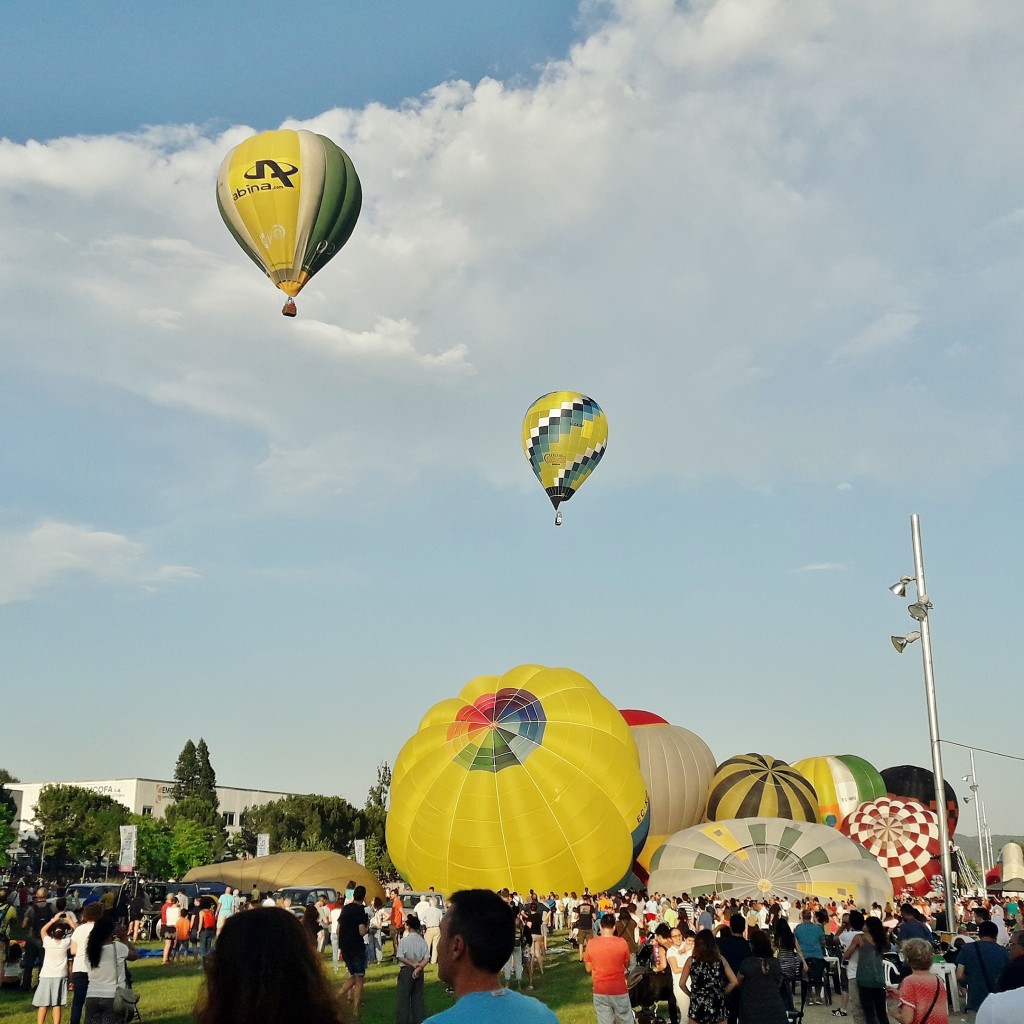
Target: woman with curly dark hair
(264, 971)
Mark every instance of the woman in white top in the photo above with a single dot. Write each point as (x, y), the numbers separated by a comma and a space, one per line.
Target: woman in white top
(52, 991)
(106, 952)
(91, 913)
(677, 954)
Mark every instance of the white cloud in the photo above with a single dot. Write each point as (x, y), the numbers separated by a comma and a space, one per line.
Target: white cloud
(41, 557)
(822, 567)
(738, 224)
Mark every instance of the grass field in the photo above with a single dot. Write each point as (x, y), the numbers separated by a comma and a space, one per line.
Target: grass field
(168, 993)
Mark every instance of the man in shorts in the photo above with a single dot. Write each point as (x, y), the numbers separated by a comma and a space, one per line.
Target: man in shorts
(584, 922)
(534, 913)
(353, 924)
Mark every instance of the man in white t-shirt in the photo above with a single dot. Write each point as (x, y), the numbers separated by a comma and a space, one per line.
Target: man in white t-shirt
(430, 921)
(1002, 1008)
(335, 915)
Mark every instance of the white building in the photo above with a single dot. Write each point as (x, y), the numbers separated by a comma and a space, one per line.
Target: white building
(150, 797)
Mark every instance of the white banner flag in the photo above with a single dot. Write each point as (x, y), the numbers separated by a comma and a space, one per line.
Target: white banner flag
(263, 844)
(360, 848)
(126, 858)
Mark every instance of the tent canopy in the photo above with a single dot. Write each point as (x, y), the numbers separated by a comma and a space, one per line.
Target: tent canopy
(284, 869)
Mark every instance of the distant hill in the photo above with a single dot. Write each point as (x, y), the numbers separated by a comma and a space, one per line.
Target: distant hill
(971, 848)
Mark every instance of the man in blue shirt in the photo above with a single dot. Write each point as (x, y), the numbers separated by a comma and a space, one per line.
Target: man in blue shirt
(477, 935)
(980, 964)
(912, 927)
(810, 937)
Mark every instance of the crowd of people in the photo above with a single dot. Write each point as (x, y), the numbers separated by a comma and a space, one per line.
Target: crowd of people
(711, 961)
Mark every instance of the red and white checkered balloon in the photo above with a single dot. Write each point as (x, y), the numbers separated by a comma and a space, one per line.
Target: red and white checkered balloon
(902, 834)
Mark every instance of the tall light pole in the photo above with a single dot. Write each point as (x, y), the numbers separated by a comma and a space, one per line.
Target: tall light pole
(919, 610)
(982, 851)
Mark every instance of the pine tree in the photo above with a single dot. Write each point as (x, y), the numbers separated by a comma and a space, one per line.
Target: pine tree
(186, 772)
(206, 778)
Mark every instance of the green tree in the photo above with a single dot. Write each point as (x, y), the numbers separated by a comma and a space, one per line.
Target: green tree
(77, 823)
(7, 800)
(206, 777)
(152, 846)
(378, 862)
(373, 823)
(8, 834)
(303, 823)
(186, 773)
(192, 844)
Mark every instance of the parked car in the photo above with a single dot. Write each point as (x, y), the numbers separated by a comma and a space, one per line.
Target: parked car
(410, 899)
(89, 892)
(303, 896)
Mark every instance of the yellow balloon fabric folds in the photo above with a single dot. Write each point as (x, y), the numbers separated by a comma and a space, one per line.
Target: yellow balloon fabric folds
(291, 199)
(530, 780)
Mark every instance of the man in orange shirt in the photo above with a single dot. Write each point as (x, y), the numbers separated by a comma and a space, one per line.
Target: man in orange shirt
(397, 919)
(606, 960)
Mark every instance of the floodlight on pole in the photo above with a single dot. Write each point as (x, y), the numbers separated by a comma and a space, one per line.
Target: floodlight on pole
(901, 642)
(920, 611)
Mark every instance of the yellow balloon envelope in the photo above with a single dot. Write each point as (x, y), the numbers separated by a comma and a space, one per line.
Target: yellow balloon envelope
(565, 435)
(291, 199)
(530, 780)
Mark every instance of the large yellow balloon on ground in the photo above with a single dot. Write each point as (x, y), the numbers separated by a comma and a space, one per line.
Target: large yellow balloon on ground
(530, 780)
(565, 435)
(291, 199)
(677, 766)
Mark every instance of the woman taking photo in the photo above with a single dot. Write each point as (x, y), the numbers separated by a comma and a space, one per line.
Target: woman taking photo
(706, 980)
(107, 950)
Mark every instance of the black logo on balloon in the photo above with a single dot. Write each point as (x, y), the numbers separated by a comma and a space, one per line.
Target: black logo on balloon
(267, 172)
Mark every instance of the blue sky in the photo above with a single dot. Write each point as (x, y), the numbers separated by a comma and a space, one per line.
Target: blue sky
(779, 244)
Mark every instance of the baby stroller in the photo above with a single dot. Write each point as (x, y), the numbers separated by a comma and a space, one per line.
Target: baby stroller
(648, 987)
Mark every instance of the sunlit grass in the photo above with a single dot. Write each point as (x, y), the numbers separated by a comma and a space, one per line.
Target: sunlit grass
(168, 993)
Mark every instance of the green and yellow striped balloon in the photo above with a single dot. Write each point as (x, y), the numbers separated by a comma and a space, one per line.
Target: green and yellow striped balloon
(843, 782)
(759, 786)
(291, 200)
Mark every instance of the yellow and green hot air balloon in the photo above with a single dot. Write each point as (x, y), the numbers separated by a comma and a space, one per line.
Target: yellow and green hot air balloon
(843, 782)
(565, 435)
(291, 199)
